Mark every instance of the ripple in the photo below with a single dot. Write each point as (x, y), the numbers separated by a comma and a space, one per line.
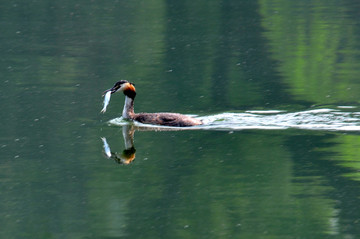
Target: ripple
(317, 119)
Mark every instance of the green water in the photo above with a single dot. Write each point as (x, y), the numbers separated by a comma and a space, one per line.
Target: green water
(193, 57)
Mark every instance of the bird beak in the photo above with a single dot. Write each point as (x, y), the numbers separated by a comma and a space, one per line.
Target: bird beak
(113, 90)
(107, 91)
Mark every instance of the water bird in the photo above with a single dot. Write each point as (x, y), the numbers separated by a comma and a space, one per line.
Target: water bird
(166, 119)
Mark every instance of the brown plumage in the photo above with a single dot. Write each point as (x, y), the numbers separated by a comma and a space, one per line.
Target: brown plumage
(166, 119)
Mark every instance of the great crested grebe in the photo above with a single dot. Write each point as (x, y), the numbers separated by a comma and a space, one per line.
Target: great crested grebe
(167, 119)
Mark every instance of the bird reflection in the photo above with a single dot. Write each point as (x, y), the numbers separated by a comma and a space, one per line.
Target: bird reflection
(128, 154)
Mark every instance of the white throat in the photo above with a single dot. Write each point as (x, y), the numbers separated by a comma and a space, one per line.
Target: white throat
(128, 108)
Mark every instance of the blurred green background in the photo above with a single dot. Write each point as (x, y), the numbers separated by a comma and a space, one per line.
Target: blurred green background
(193, 57)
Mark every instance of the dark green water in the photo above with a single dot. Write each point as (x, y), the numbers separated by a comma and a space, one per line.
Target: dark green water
(193, 57)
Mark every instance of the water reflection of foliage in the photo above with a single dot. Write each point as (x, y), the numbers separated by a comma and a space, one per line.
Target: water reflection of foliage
(318, 52)
(220, 185)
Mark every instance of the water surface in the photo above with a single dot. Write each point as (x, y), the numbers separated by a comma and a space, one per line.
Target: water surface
(276, 83)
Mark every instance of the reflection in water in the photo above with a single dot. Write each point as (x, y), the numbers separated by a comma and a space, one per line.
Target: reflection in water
(225, 55)
(317, 119)
(315, 68)
(128, 154)
(269, 179)
(106, 147)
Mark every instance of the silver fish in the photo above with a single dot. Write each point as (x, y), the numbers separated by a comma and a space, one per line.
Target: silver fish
(106, 147)
(106, 101)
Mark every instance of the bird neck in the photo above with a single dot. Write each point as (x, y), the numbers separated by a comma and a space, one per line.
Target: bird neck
(128, 111)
